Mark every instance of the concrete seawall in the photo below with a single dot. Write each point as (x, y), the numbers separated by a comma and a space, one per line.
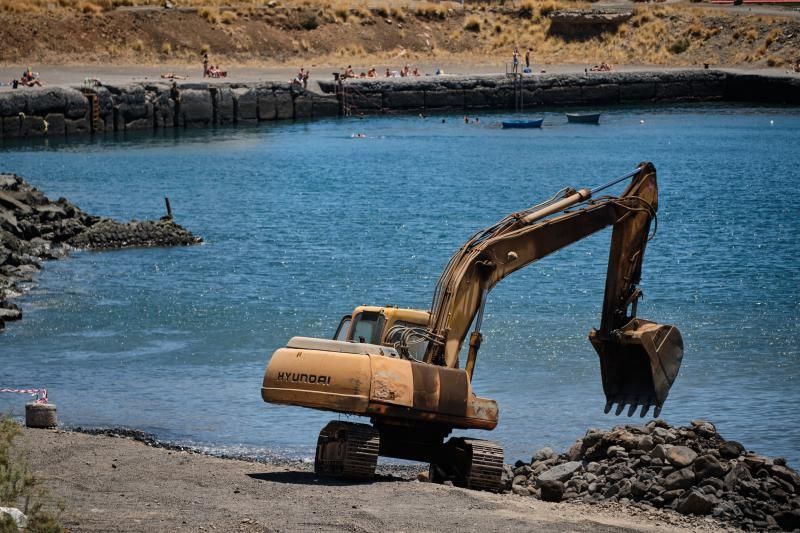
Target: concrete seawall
(59, 112)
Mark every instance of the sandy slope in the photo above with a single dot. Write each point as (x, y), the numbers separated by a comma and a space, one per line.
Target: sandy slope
(117, 484)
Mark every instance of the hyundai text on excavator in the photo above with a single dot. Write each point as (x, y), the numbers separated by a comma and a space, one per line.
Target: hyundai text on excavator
(400, 367)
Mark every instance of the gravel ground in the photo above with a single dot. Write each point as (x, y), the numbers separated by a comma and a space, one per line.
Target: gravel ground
(111, 483)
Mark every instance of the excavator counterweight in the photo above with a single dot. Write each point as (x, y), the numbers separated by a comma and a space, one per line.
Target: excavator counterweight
(401, 367)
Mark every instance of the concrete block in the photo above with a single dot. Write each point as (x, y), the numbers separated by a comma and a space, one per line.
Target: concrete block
(325, 106)
(267, 105)
(11, 127)
(139, 124)
(77, 127)
(452, 99)
(303, 106)
(637, 92)
(55, 124)
(284, 105)
(404, 99)
(600, 94)
(562, 95)
(673, 91)
(196, 108)
(245, 104)
(31, 126)
(224, 106)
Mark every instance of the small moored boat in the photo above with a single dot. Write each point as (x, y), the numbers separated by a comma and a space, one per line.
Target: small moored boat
(583, 118)
(527, 123)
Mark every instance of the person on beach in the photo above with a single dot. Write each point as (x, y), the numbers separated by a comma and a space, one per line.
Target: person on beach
(528, 58)
(515, 60)
(348, 72)
(205, 64)
(30, 78)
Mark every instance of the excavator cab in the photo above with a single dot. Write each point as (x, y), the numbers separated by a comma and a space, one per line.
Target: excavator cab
(638, 362)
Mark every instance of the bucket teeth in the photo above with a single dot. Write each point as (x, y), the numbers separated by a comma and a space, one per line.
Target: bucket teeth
(633, 403)
(657, 411)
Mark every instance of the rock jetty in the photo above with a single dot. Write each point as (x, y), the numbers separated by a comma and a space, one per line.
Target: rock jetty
(691, 470)
(34, 228)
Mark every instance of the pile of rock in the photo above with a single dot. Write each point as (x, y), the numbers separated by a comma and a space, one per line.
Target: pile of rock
(34, 228)
(691, 470)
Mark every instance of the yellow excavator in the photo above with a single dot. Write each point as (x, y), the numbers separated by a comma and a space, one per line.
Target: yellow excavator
(400, 367)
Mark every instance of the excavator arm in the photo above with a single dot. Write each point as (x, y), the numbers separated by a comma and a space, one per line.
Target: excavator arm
(639, 359)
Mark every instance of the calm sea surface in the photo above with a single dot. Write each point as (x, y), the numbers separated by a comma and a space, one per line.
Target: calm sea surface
(303, 222)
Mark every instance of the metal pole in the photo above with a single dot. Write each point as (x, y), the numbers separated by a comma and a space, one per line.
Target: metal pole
(615, 181)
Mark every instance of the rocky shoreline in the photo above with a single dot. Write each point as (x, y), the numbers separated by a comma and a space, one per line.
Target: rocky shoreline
(691, 470)
(55, 112)
(34, 228)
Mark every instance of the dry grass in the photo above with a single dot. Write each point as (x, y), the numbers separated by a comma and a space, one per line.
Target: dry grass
(773, 35)
(432, 30)
(89, 8)
(211, 14)
(430, 10)
(228, 17)
(473, 24)
(774, 61)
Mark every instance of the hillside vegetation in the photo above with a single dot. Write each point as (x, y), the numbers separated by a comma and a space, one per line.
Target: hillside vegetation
(315, 32)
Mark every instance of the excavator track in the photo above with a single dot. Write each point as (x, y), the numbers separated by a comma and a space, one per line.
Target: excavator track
(470, 463)
(347, 450)
(486, 467)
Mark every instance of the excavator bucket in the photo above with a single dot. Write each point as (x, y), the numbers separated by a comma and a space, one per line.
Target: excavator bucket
(639, 363)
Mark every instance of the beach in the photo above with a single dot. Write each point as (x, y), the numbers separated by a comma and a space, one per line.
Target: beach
(119, 484)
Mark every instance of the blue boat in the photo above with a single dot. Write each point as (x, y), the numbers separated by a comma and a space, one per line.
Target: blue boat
(531, 123)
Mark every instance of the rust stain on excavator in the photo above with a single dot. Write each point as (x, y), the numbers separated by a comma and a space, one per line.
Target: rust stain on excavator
(392, 381)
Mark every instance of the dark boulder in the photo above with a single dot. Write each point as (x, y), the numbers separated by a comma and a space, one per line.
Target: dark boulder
(696, 503)
(551, 490)
(681, 479)
(788, 520)
(730, 449)
(707, 466)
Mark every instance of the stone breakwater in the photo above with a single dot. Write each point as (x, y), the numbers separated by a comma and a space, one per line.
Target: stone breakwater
(60, 112)
(34, 228)
(691, 470)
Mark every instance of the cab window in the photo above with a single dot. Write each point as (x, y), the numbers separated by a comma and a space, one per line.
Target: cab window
(367, 327)
(344, 327)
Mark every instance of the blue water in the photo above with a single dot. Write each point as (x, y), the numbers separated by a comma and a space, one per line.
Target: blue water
(303, 222)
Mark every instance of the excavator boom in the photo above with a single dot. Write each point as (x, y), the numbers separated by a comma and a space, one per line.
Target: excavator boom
(638, 363)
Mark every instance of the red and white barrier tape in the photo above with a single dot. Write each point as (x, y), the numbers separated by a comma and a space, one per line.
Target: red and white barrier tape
(41, 394)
